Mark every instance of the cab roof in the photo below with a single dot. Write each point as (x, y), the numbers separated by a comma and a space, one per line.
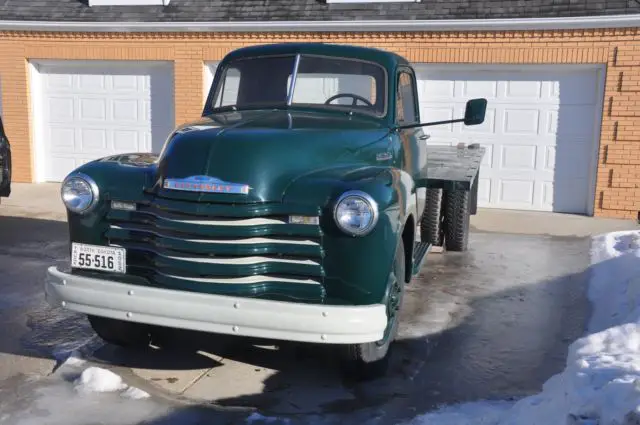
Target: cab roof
(386, 59)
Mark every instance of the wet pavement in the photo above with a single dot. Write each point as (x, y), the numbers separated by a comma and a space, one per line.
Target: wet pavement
(491, 323)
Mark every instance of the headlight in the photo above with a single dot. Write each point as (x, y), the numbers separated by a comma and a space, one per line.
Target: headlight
(79, 193)
(356, 213)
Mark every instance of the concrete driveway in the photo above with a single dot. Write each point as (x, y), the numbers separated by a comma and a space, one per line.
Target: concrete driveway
(490, 323)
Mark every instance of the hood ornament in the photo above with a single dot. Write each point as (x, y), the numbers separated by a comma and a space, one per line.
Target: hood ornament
(206, 184)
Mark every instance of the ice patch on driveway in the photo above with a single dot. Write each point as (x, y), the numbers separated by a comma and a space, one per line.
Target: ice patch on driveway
(601, 381)
(97, 395)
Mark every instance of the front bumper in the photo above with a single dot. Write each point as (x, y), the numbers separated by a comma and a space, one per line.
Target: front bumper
(216, 313)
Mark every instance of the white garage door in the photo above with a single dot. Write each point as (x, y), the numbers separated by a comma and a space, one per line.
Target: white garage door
(539, 133)
(88, 110)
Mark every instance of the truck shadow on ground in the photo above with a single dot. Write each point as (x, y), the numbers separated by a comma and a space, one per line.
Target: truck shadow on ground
(490, 323)
(504, 342)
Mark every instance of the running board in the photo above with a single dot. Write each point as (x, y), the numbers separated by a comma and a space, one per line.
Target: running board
(420, 251)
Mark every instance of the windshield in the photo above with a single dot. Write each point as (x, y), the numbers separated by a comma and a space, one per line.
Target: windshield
(319, 81)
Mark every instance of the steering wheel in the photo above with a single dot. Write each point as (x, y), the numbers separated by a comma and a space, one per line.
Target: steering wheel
(354, 96)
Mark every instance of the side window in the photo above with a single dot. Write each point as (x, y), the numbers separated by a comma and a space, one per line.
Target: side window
(405, 101)
(230, 86)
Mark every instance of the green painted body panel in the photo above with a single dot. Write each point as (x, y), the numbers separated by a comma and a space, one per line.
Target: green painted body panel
(297, 161)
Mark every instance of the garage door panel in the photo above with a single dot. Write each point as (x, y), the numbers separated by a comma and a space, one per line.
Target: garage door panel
(435, 89)
(516, 192)
(518, 122)
(62, 139)
(518, 157)
(538, 131)
(94, 83)
(479, 88)
(94, 109)
(124, 110)
(59, 109)
(128, 141)
(523, 90)
(93, 141)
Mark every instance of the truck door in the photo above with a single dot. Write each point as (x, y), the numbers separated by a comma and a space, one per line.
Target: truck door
(414, 140)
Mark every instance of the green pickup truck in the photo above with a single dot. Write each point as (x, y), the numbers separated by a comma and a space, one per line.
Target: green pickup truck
(297, 208)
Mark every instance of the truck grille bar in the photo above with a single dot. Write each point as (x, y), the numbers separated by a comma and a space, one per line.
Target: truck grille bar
(248, 250)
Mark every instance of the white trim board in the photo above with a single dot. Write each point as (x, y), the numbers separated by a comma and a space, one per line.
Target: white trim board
(581, 22)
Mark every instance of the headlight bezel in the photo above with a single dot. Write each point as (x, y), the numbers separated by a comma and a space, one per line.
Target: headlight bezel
(95, 192)
(373, 205)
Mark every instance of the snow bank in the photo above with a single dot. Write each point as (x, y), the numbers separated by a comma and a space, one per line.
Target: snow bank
(601, 382)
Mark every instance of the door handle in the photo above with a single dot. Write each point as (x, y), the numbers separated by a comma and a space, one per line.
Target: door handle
(425, 137)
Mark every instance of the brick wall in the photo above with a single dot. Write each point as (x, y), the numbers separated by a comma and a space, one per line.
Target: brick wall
(618, 179)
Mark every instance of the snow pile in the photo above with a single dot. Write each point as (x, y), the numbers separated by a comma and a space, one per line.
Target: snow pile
(601, 382)
(135, 393)
(97, 380)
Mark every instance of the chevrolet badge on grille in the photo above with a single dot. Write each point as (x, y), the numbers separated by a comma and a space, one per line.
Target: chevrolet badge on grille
(206, 184)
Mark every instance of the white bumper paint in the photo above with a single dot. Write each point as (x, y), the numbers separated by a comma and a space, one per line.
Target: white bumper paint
(216, 313)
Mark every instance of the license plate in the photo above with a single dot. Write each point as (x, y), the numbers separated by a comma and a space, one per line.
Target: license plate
(95, 257)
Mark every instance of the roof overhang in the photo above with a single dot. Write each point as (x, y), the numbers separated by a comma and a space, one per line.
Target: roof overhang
(583, 22)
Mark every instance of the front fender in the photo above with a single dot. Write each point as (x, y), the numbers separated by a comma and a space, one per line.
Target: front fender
(357, 268)
(120, 177)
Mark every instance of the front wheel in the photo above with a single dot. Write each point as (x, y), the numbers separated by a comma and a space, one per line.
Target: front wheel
(370, 360)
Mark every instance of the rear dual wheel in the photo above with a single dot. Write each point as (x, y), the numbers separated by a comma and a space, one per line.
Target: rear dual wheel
(457, 217)
(446, 219)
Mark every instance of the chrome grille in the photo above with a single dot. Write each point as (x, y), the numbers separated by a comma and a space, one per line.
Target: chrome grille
(242, 249)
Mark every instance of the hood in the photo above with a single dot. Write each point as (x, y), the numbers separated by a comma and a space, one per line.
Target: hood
(257, 154)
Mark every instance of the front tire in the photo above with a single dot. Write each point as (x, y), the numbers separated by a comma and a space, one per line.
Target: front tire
(121, 333)
(370, 360)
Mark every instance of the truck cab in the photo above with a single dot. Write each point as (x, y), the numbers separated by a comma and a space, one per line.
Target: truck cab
(291, 210)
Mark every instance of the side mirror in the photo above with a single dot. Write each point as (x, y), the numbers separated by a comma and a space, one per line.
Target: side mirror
(475, 111)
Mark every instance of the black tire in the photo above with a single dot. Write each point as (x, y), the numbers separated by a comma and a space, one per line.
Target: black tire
(456, 220)
(371, 360)
(431, 223)
(121, 333)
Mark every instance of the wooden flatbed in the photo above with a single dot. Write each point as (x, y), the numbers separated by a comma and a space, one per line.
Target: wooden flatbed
(453, 167)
